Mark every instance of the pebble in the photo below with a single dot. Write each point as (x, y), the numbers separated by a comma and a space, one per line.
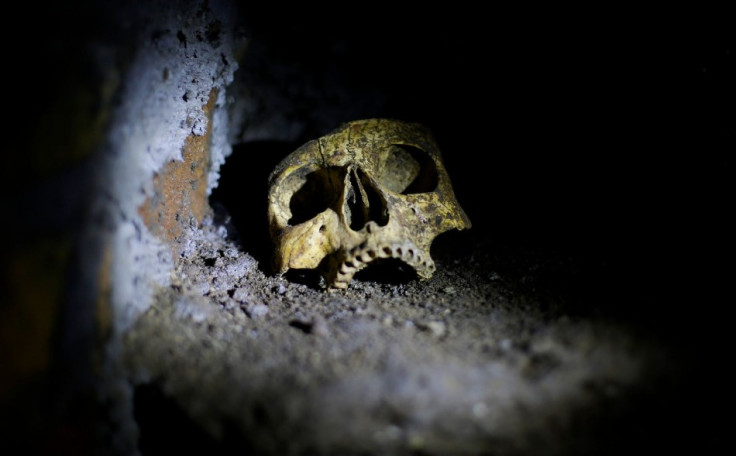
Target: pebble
(258, 310)
(241, 294)
(202, 288)
(437, 328)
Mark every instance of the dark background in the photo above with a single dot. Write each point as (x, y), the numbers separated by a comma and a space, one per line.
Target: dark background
(606, 136)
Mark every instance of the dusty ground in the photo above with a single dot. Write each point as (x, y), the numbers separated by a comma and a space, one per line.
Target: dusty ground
(493, 355)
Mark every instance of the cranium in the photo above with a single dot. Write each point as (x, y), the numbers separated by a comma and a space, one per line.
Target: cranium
(370, 190)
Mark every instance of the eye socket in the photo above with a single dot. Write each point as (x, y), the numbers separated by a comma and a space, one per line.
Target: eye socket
(408, 170)
(321, 189)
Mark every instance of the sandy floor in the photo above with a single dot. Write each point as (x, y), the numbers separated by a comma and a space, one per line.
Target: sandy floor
(499, 353)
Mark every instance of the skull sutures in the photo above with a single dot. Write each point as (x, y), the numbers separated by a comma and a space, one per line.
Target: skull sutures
(370, 190)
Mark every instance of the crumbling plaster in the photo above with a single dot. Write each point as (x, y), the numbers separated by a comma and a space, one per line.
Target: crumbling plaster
(182, 58)
(160, 160)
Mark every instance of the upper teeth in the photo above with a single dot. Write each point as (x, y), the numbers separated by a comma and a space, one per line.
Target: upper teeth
(359, 257)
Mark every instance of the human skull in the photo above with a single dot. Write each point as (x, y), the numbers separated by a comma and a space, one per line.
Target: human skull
(370, 190)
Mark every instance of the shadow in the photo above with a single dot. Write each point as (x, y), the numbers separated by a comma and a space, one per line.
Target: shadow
(166, 428)
(243, 192)
(390, 271)
(309, 277)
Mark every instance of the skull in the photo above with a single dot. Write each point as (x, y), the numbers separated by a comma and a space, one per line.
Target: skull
(370, 190)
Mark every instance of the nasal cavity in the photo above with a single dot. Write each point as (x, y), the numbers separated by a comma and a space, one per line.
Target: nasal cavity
(363, 202)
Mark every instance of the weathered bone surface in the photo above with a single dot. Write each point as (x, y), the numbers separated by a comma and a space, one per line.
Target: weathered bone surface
(370, 190)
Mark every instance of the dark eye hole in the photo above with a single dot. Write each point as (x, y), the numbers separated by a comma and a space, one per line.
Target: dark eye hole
(409, 170)
(320, 190)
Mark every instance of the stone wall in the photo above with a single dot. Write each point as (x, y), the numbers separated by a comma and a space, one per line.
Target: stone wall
(122, 145)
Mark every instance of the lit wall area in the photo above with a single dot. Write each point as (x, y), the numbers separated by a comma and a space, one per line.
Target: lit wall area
(237, 227)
